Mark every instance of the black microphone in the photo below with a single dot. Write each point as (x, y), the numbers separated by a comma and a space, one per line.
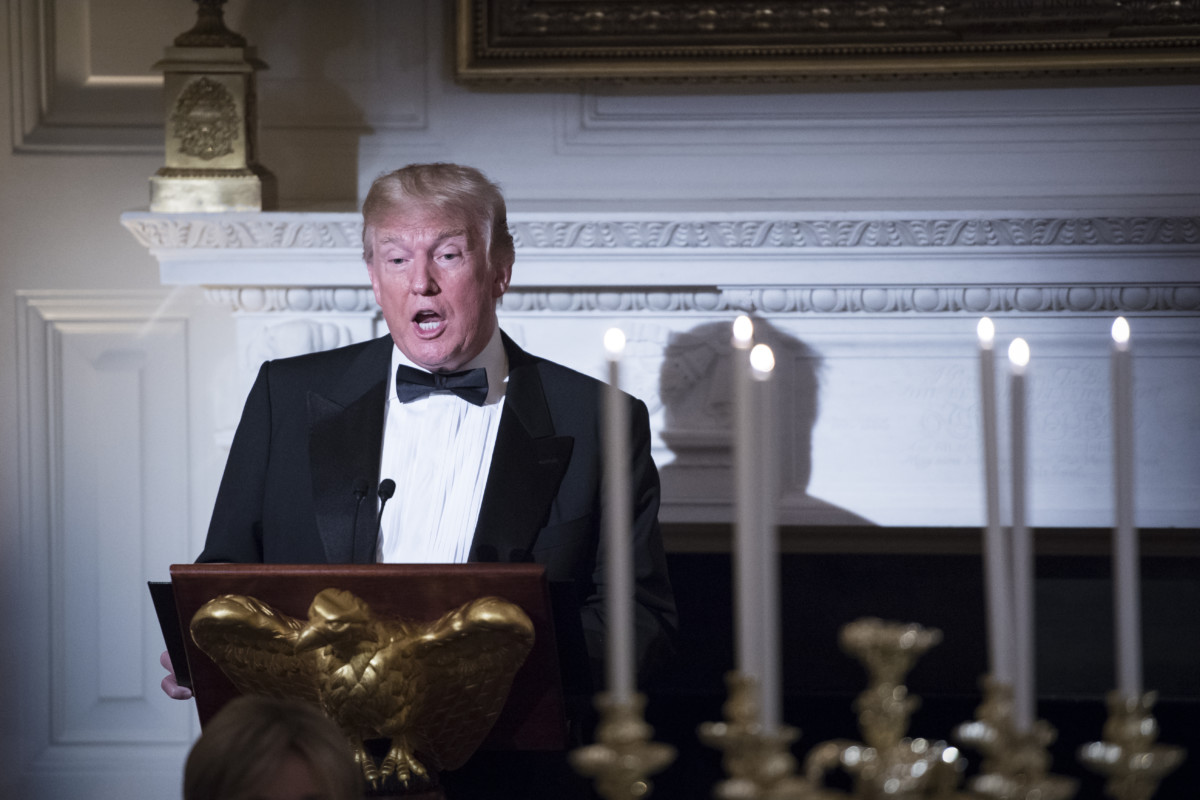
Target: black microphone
(387, 487)
(360, 493)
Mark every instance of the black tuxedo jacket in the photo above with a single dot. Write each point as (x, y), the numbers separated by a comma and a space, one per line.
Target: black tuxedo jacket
(312, 431)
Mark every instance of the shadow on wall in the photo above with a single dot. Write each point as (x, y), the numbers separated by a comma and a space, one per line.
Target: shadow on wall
(697, 395)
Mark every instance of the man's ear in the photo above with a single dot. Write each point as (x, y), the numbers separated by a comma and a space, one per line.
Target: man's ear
(501, 276)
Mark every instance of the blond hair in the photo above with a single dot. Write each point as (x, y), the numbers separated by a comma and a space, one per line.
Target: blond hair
(463, 191)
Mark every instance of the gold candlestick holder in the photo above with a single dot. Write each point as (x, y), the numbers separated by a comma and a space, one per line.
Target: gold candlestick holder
(1129, 755)
(1015, 765)
(758, 763)
(887, 764)
(623, 757)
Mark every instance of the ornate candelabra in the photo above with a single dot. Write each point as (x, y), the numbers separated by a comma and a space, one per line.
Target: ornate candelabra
(1129, 755)
(1015, 764)
(888, 763)
(758, 762)
(623, 757)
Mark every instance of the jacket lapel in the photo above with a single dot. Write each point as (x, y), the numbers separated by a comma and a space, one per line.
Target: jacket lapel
(345, 432)
(528, 464)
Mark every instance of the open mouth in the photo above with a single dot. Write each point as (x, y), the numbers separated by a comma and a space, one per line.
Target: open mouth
(428, 322)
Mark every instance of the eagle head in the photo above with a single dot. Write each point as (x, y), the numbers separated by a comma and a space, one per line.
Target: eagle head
(334, 615)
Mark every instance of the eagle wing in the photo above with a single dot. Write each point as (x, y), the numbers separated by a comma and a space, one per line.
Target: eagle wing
(464, 664)
(254, 645)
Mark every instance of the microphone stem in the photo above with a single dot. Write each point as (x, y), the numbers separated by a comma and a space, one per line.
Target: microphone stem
(360, 492)
(387, 487)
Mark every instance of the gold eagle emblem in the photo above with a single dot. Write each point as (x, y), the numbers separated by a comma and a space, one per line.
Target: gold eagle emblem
(433, 690)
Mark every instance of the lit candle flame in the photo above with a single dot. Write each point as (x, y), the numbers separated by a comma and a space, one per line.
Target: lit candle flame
(1018, 352)
(987, 332)
(743, 332)
(614, 342)
(1120, 330)
(762, 360)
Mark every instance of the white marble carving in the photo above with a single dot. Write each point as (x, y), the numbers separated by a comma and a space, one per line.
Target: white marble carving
(874, 315)
(289, 230)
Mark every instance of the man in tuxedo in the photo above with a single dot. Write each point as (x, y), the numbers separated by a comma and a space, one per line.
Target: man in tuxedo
(495, 453)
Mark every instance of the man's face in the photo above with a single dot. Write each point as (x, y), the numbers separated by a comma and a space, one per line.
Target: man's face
(432, 281)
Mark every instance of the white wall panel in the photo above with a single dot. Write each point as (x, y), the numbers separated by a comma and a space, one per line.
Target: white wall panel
(780, 122)
(899, 420)
(104, 506)
(881, 149)
(74, 90)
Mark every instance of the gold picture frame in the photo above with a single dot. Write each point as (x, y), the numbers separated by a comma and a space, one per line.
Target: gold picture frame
(826, 41)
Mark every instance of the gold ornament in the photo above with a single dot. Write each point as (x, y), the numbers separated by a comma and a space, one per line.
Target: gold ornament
(1015, 765)
(433, 690)
(1129, 754)
(759, 764)
(623, 757)
(888, 764)
(211, 122)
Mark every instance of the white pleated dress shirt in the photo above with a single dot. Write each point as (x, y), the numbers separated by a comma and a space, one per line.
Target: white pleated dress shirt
(438, 450)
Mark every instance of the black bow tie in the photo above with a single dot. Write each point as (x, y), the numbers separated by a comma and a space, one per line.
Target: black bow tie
(470, 384)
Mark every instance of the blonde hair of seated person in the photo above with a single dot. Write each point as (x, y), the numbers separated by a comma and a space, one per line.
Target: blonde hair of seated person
(262, 748)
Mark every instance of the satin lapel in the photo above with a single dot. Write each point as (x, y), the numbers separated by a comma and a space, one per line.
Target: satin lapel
(528, 464)
(344, 438)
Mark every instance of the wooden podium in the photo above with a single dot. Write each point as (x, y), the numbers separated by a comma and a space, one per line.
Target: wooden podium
(534, 716)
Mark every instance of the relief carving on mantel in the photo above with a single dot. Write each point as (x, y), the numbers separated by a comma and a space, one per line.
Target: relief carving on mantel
(196, 249)
(869, 300)
(249, 264)
(344, 231)
(860, 233)
(1126, 299)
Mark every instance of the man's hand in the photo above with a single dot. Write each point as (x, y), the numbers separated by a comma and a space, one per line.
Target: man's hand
(173, 689)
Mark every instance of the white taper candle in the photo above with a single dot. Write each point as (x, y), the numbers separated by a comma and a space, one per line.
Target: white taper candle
(1024, 693)
(1126, 562)
(747, 623)
(997, 553)
(618, 564)
(762, 362)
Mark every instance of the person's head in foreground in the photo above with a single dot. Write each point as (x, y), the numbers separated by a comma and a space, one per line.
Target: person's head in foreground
(438, 250)
(261, 748)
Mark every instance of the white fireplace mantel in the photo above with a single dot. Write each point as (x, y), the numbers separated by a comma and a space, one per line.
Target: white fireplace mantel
(698, 250)
(875, 315)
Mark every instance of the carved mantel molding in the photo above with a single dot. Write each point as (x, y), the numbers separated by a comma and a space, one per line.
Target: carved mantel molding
(343, 231)
(765, 263)
(994, 300)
